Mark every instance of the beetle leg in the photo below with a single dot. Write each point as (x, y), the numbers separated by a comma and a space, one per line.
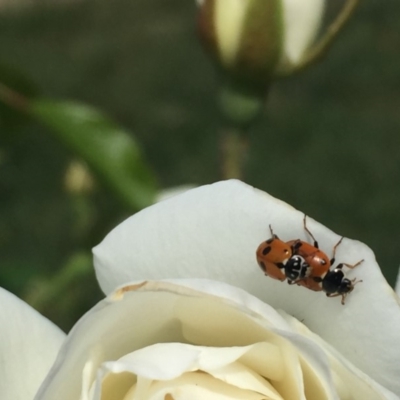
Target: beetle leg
(334, 250)
(309, 232)
(351, 266)
(336, 295)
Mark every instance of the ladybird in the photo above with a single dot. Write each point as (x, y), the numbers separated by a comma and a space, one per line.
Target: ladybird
(304, 264)
(335, 283)
(320, 277)
(272, 255)
(296, 260)
(318, 261)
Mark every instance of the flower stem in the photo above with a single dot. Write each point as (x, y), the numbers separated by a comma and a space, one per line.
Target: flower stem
(234, 147)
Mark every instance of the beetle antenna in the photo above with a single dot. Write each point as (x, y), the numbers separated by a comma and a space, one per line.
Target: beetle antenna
(272, 232)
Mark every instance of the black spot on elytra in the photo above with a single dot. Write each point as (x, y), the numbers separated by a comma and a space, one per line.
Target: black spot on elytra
(266, 250)
(262, 266)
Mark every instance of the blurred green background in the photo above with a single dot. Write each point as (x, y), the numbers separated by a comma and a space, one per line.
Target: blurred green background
(328, 142)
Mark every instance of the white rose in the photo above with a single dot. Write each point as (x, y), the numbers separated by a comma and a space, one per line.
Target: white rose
(196, 338)
(212, 232)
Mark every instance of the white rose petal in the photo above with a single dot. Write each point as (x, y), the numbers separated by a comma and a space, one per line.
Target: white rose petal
(173, 191)
(174, 362)
(302, 20)
(340, 366)
(155, 339)
(29, 344)
(230, 16)
(213, 232)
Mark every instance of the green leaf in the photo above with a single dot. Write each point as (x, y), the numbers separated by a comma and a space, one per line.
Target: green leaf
(108, 149)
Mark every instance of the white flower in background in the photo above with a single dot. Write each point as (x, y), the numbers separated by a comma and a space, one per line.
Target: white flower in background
(256, 39)
(203, 339)
(253, 42)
